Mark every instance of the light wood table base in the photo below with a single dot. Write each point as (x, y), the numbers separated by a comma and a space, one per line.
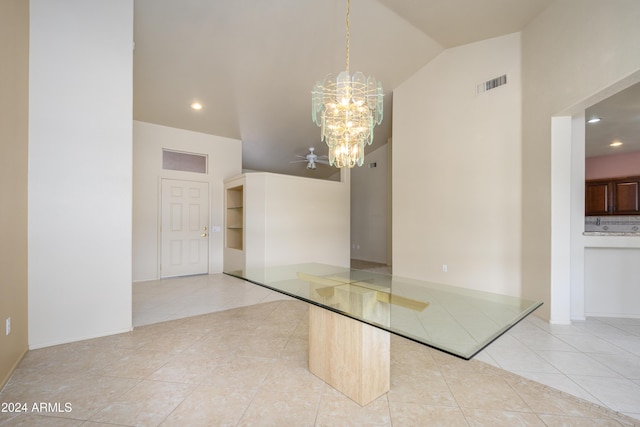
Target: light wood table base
(351, 356)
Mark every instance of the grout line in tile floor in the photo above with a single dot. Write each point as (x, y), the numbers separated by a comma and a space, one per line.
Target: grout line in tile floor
(540, 359)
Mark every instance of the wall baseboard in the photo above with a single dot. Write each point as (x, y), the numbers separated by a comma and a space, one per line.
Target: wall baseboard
(5, 380)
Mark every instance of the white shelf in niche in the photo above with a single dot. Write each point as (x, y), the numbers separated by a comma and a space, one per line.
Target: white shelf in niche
(234, 221)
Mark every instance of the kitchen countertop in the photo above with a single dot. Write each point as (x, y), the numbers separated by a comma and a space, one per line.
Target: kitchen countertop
(610, 233)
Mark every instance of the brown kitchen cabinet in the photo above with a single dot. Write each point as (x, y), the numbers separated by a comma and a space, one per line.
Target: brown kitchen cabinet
(615, 196)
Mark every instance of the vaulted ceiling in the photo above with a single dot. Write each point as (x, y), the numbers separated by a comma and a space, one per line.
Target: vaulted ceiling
(252, 63)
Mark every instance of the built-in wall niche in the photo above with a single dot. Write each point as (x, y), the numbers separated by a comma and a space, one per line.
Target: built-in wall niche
(235, 217)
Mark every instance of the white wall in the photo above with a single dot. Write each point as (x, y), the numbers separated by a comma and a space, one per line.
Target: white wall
(80, 119)
(573, 51)
(456, 169)
(612, 281)
(306, 220)
(370, 208)
(224, 161)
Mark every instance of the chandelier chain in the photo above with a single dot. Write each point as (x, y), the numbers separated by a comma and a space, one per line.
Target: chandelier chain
(348, 35)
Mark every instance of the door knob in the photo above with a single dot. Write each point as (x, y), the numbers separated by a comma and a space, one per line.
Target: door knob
(204, 228)
(203, 235)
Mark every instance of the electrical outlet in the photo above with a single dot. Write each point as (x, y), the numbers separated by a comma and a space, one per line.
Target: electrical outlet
(8, 326)
(444, 268)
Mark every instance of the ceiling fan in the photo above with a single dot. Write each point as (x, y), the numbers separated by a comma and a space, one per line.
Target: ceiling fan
(312, 159)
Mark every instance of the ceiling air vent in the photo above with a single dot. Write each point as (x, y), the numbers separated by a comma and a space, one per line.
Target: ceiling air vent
(492, 84)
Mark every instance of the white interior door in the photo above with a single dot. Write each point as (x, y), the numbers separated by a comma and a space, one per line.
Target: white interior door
(184, 228)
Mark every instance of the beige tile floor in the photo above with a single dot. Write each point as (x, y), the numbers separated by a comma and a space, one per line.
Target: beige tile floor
(244, 364)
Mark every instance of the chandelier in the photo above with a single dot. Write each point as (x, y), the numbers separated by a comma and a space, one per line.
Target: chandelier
(347, 108)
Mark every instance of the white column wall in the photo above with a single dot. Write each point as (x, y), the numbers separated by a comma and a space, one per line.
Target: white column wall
(306, 220)
(80, 124)
(577, 159)
(560, 292)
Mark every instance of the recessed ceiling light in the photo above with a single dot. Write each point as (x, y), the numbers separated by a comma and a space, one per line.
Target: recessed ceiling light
(594, 120)
(615, 144)
(196, 106)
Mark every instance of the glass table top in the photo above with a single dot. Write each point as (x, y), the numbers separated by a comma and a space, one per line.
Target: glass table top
(455, 320)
